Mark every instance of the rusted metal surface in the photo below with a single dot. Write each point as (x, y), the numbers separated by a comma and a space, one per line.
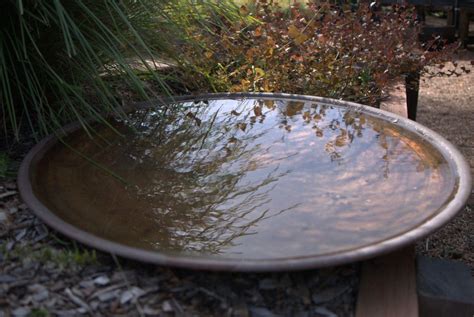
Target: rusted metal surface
(450, 154)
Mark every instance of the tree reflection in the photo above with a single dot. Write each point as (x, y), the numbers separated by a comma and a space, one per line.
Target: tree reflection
(192, 177)
(338, 129)
(204, 178)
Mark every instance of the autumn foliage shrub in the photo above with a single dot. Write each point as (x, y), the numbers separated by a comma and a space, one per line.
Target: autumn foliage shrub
(316, 49)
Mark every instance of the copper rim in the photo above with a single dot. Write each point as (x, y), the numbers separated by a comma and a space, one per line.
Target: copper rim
(452, 155)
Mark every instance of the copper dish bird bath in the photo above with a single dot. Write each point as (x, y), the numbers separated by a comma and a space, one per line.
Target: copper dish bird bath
(247, 182)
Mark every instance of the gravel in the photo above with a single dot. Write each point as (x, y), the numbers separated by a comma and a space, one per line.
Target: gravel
(446, 105)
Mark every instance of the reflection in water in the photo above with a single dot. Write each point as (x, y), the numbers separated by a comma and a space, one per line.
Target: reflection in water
(247, 178)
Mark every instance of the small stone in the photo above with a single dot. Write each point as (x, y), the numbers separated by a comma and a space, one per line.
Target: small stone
(13, 210)
(86, 284)
(105, 297)
(20, 235)
(167, 307)
(128, 295)
(3, 216)
(102, 280)
(21, 312)
(41, 296)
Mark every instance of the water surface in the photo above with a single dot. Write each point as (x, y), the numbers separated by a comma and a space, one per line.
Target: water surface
(247, 179)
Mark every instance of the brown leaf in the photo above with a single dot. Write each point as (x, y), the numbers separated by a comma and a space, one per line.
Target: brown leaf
(341, 139)
(293, 32)
(300, 39)
(293, 107)
(257, 110)
(270, 104)
(306, 116)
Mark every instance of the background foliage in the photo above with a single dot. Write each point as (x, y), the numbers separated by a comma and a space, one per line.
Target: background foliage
(65, 60)
(317, 49)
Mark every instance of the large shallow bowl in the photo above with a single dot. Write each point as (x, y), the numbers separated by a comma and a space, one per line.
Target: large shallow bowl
(457, 188)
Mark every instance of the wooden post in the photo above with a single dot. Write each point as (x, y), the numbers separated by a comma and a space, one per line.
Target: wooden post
(388, 286)
(450, 18)
(464, 26)
(412, 85)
